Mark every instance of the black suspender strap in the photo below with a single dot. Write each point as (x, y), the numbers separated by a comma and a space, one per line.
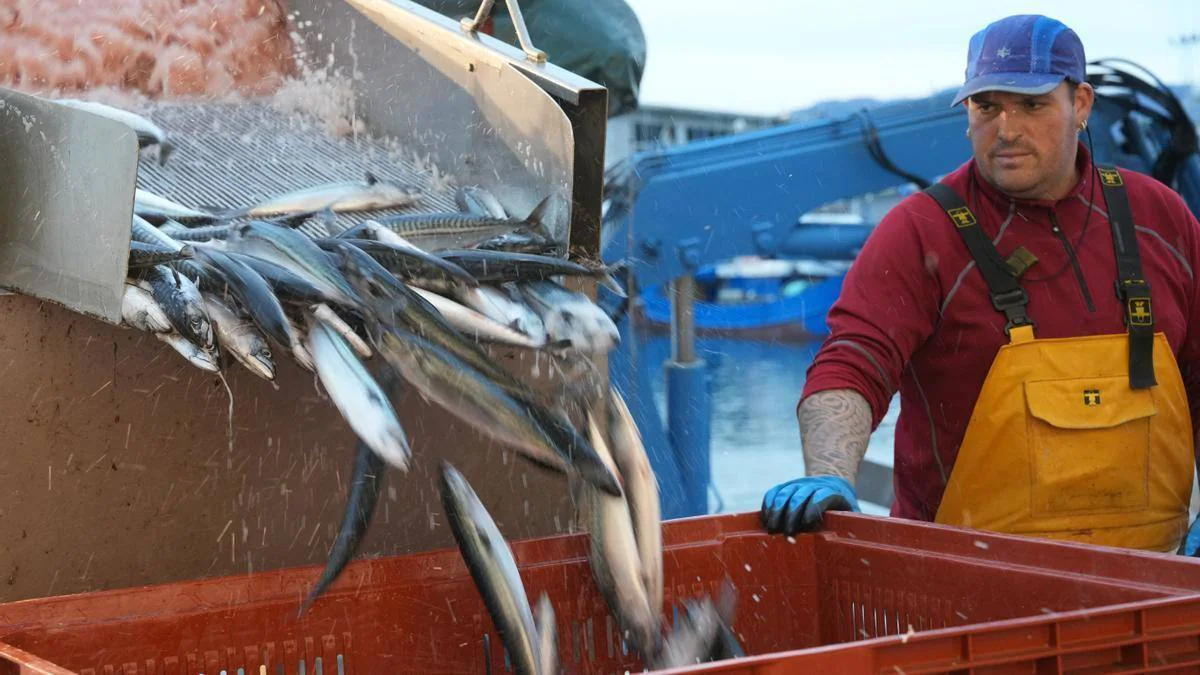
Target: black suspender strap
(1132, 288)
(1007, 294)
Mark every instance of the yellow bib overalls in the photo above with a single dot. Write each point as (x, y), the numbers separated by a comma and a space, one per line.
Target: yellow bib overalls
(1086, 439)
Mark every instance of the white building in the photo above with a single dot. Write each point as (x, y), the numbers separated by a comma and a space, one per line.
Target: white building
(656, 126)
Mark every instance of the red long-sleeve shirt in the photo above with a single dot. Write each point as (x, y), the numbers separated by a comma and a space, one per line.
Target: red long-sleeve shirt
(915, 314)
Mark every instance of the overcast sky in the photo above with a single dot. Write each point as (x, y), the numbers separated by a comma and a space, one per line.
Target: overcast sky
(715, 54)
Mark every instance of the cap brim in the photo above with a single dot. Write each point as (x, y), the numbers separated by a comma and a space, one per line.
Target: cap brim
(1033, 84)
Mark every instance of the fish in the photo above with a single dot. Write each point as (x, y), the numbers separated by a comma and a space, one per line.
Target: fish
(726, 645)
(450, 382)
(392, 300)
(365, 195)
(294, 251)
(547, 635)
(287, 285)
(502, 266)
(409, 262)
(142, 254)
(641, 493)
(325, 313)
(360, 399)
(240, 337)
(299, 351)
(498, 305)
(143, 232)
(570, 316)
(148, 133)
(522, 242)
(613, 555)
(250, 291)
(475, 325)
(140, 311)
(361, 498)
(493, 568)
(474, 199)
(158, 209)
(180, 300)
(204, 359)
(692, 639)
(370, 229)
(435, 231)
(180, 232)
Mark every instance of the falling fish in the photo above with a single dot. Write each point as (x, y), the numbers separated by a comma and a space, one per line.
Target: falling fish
(148, 133)
(241, 338)
(613, 554)
(499, 306)
(143, 232)
(250, 290)
(365, 195)
(140, 311)
(476, 325)
(357, 395)
(409, 262)
(294, 251)
(570, 316)
(547, 635)
(493, 568)
(641, 494)
(325, 313)
(201, 358)
(692, 639)
(361, 498)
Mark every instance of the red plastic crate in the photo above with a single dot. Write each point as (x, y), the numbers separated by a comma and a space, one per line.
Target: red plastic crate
(863, 578)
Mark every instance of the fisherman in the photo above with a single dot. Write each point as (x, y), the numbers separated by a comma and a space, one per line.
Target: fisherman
(1039, 315)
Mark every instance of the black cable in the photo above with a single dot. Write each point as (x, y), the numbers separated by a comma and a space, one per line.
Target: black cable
(875, 147)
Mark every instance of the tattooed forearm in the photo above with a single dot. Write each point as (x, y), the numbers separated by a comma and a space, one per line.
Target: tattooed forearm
(834, 428)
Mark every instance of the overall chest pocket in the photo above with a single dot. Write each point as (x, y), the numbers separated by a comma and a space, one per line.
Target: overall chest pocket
(1089, 445)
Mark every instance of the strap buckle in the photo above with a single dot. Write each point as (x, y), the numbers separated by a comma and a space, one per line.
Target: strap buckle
(1135, 296)
(1013, 303)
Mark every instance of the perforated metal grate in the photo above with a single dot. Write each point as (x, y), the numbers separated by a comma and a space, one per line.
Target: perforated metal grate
(238, 154)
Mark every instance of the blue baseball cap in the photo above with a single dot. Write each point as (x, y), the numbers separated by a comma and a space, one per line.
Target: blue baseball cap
(1023, 54)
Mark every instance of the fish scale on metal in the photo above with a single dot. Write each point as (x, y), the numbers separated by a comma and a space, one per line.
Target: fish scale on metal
(238, 154)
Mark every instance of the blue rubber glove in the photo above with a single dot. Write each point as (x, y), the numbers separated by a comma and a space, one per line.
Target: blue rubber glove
(797, 505)
(1191, 543)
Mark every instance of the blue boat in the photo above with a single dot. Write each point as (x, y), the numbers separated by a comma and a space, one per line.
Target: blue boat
(756, 298)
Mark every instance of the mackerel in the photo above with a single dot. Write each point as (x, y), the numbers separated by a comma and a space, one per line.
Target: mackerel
(240, 337)
(180, 300)
(142, 254)
(250, 290)
(365, 195)
(641, 493)
(294, 251)
(571, 316)
(435, 231)
(357, 395)
(160, 209)
(474, 199)
(148, 133)
(493, 569)
(203, 359)
(476, 325)
(140, 311)
(407, 262)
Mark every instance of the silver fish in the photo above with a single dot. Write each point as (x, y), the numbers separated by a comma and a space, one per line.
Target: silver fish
(370, 229)
(474, 199)
(692, 640)
(142, 254)
(140, 311)
(142, 231)
(357, 395)
(476, 325)
(571, 317)
(547, 634)
(436, 231)
(493, 568)
(363, 495)
(613, 554)
(241, 338)
(201, 358)
(148, 133)
(499, 306)
(294, 251)
(160, 209)
(366, 195)
(180, 300)
(641, 493)
(325, 313)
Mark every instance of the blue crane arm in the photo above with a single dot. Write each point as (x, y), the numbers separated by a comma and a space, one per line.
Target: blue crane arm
(675, 210)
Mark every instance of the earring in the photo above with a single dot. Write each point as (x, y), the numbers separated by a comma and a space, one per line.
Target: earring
(968, 132)
(1083, 125)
